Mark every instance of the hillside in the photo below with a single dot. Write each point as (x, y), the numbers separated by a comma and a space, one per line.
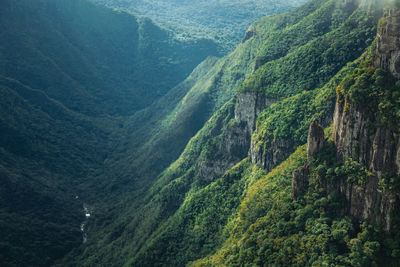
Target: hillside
(222, 21)
(284, 152)
(69, 71)
(188, 209)
(81, 54)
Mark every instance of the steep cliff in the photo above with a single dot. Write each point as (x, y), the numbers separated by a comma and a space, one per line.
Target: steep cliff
(315, 142)
(379, 149)
(388, 42)
(365, 130)
(277, 134)
(248, 106)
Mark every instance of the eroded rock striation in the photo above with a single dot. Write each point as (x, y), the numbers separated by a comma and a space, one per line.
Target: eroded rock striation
(315, 138)
(235, 139)
(378, 148)
(387, 54)
(315, 142)
(248, 106)
(299, 181)
(359, 135)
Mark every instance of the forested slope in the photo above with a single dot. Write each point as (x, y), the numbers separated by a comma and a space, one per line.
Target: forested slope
(69, 71)
(284, 152)
(81, 54)
(182, 216)
(222, 21)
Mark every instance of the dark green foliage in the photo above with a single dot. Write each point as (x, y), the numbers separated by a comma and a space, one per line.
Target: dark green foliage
(374, 91)
(41, 161)
(159, 137)
(222, 21)
(196, 228)
(313, 64)
(159, 228)
(82, 54)
(272, 229)
(65, 67)
(201, 204)
(164, 199)
(327, 17)
(288, 120)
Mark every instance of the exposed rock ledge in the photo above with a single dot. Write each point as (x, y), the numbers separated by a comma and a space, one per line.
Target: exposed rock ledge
(379, 150)
(315, 138)
(235, 140)
(388, 43)
(248, 106)
(315, 142)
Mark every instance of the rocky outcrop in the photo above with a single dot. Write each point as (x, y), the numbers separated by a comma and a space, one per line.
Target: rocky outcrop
(270, 154)
(299, 181)
(378, 147)
(209, 170)
(233, 148)
(315, 138)
(368, 202)
(248, 35)
(356, 136)
(235, 138)
(248, 106)
(315, 142)
(359, 135)
(387, 54)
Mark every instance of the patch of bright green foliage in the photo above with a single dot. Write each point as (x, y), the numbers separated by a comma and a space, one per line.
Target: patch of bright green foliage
(144, 232)
(288, 120)
(313, 64)
(310, 231)
(373, 90)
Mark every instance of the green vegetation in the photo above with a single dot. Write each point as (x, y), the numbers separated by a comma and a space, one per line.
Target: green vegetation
(68, 71)
(313, 64)
(327, 17)
(82, 54)
(195, 229)
(158, 138)
(374, 91)
(157, 226)
(41, 162)
(222, 21)
(272, 229)
(94, 104)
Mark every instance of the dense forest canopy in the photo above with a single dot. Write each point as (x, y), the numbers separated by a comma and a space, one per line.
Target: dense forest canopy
(220, 20)
(127, 143)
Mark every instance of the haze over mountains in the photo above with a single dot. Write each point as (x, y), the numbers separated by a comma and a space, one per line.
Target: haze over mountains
(222, 21)
(284, 152)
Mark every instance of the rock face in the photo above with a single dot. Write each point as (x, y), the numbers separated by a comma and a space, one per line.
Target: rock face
(378, 148)
(315, 142)
(248, 35)
(359, 135)
(315, 138)
(387, 55)
(270, 154)
(299, 181)
(355, 136)
(248, 106)
(235, 139)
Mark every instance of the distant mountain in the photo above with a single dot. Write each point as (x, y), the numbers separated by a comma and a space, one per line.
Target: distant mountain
(260, 101)
(69, 70)
(82, 54)
(284, 152)
(223, 21)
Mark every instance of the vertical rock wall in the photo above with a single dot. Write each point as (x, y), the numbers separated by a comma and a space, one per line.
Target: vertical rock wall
(388, 42)
(378, 148)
